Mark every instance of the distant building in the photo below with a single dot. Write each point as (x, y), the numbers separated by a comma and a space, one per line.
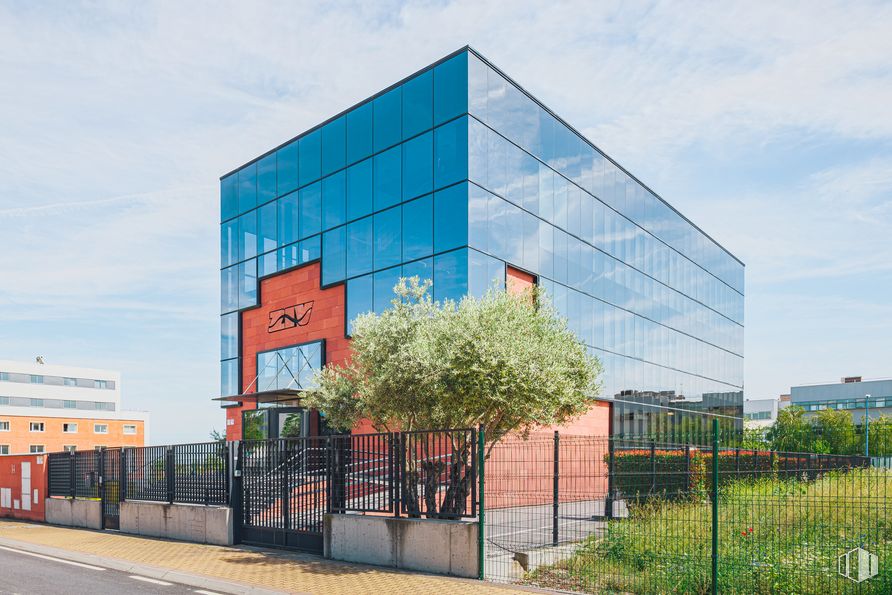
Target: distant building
(47, 408)
(847, 394)
(760, 413)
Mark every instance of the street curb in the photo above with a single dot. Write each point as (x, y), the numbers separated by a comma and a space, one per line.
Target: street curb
(177, 576)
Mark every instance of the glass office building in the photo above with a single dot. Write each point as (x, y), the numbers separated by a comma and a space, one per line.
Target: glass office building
(458, 175)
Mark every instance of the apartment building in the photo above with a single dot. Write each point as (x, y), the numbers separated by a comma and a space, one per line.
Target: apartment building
(49, 408)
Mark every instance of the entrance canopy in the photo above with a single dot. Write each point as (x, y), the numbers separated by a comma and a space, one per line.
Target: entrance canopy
(285, 395)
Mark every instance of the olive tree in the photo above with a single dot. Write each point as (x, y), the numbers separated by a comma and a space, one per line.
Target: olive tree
(505, 361)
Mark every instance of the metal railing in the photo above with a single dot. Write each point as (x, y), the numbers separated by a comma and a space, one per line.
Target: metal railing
(184, 473)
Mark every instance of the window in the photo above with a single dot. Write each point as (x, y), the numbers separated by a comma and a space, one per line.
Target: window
(36, 448)
(334, 148)
(286, 165)
(100, 428)
(69, 448)
(229, 197)
(290, 367)
(418, 228)
(69, 404)
(334, 200)
(451, 88)
(36, 426)
(247, 188)
(418, 166)
(310, 216)
(334, 263)
(387, 178)
(310, 157)
(69, 428)
(359, 299)
(129, 429)
(4, 376)
(70, 381)
(36, 402)
(36, 379)
(418, 104)
(359, 190)
(451, 218)
(388, 243)
(4, 426)
(4, 449)
(359, 247)
(451, 153)
(99, 447)
(359, 133)
(387, 128)
(266, 179)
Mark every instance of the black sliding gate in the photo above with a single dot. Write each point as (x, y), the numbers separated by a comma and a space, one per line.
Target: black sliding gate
(285, 491)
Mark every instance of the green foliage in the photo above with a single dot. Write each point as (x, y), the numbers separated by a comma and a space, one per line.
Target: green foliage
(502, 360)
(792, 432)
(293, 426)
(829, 431)
(881, 437)
(667, 475)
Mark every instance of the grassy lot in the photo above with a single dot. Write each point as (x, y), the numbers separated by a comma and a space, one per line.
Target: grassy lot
(775, 536)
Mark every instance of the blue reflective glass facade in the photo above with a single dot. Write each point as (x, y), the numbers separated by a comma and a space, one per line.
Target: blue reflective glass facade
(455, 174)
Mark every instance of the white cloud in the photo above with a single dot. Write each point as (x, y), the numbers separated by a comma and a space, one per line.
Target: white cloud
(116, 120)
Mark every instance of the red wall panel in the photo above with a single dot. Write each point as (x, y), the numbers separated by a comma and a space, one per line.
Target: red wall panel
(326, 321)
(11, 479)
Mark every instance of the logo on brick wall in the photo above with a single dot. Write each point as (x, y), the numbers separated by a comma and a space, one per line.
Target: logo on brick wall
(290, 317)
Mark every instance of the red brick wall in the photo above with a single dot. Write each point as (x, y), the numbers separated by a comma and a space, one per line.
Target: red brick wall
(521, 472)
(517, 281)
(11, 478)
(281, 291)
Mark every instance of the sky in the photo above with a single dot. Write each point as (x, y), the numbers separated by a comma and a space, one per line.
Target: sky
(767, 124)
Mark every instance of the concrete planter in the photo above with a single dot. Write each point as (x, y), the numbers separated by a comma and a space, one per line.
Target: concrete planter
(440, 546)
(186, 522)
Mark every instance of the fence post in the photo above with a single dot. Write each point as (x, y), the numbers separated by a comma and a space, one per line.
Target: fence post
(122, 480)
(170, 474)
(101, 475)
(555, 496)
(396, 468)
(715, 506)
(481, 515)
(285, 479)
(653, 466)
(234, 473)
(72, 474)
(608, 501)
(689, 483)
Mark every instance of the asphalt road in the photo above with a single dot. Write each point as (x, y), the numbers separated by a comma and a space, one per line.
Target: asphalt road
(23, 572)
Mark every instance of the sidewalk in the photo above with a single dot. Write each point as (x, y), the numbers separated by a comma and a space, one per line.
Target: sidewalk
(251, 570)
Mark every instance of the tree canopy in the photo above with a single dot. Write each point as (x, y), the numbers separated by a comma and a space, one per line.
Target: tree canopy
(505, 361)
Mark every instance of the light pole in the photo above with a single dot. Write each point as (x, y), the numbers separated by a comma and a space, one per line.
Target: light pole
(866, 426)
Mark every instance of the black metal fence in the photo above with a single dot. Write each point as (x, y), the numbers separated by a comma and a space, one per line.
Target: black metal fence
(292, 482)
(183, 473)
(598, 514)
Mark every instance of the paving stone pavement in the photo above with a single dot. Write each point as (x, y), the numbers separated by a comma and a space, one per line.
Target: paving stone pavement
(247, 569)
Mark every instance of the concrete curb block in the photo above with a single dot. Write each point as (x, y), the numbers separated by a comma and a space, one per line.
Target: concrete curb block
(176, 576)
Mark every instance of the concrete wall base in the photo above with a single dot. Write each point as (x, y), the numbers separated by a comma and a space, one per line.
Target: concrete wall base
(440, 546)
(186, 522)
(74, 513)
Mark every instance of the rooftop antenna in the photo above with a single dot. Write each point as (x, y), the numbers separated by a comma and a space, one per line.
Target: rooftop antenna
(39, 359)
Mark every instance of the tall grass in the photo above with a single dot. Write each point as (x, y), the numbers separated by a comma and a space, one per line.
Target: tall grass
(775, 536)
